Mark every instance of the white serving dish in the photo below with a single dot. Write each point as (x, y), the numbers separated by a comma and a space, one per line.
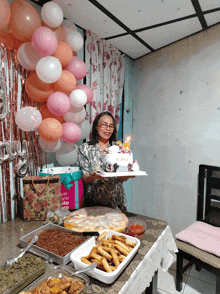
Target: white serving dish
(84, 250)
(121, 174)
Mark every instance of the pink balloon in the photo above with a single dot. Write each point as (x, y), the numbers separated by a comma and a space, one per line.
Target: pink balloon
(87, 90)
(71, 132)
(77, 67)
(58, 103)
(44, 41)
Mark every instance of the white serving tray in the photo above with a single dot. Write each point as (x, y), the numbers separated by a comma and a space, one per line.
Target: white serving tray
(84, 250)
(121, 174)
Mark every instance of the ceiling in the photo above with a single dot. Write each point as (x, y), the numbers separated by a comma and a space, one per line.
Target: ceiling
(139, 27)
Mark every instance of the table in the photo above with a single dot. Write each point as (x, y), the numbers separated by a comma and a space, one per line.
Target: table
(157, 250)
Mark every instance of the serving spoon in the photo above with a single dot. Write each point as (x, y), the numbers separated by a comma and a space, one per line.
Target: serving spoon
(15, 259)
(88, 268)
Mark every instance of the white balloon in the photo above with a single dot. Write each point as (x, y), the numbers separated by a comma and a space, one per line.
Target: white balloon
(68, 26)
(75, 117)
(78, 98)
(75, 40)
(27, 56)
(68, 154)
(28, 118)
(52, 14)
(49, 146)
(49, 69)
(85, 129)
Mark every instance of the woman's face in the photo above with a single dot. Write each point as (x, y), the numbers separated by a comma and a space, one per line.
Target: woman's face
(105, 127)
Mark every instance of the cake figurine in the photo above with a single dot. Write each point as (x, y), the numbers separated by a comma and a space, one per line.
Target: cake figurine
(119, 158)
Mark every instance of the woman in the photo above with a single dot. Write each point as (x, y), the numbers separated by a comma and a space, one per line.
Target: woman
(99, 191)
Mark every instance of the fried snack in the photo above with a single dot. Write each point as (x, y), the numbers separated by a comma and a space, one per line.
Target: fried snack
(106, 265)
(119, 238)
(104, 253)
(121, 249)
(96, 256)
(102, 236)
(130, 243)
(123, 245)
(115, 258)
(110, 253)
(85, 260)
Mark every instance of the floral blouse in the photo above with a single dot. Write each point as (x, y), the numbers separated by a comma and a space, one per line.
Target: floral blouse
(102, 192)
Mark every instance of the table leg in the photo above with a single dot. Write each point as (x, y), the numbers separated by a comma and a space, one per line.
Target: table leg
(152, 289)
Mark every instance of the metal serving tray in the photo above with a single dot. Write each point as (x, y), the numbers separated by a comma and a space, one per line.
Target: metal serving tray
(53, 257)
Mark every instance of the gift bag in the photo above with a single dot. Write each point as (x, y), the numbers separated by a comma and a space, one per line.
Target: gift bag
(40, 195)
(71, 185)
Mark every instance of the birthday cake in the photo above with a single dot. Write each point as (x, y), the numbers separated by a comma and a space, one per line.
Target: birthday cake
(119, 158)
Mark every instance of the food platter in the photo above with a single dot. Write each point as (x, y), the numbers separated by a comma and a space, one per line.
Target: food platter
(121, 174)
(96, 273)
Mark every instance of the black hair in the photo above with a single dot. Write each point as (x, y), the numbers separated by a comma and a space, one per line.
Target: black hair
(94, 135)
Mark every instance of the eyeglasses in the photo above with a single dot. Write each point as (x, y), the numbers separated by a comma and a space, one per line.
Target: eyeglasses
(104, 125)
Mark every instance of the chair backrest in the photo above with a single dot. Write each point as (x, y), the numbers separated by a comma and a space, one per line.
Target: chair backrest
(208, 209)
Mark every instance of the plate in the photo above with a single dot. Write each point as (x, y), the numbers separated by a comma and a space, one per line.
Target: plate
(121, 174)
(96, 273)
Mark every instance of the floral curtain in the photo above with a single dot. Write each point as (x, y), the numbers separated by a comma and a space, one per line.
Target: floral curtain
(105, 75)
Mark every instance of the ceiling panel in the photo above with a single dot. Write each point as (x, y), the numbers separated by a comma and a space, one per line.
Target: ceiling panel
(209, 4)
(130, 46)
(86, 15)
(212, 18)
(164, 35)
(143, 13)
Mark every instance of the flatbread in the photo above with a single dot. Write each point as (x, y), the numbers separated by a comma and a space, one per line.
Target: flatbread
(96, 218)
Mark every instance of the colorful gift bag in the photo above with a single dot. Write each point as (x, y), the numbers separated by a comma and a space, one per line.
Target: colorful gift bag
(71, 185)
(40, 195)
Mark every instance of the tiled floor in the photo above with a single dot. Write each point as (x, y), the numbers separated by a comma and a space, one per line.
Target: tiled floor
(195, 282)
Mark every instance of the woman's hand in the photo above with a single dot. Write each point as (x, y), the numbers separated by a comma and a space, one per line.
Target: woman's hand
(90, 178)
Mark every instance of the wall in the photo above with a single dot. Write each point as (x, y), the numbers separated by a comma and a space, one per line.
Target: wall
(129, 84)
(176, 111)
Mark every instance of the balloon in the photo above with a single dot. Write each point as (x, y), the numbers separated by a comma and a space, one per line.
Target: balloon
(37, 89)
(66, 82)
(71, 132)
(44, 25)
(49, 146)
(64, 53)
(60, 34)
(75, 117)
(28, 118)
(67, 155)
(76, 109)
(45, 112)
(5, 14)
(75, 40)
(24, 20)
(68, 26)
(52, 14)
(77, 67)
(87, 90)
(85, 129)
(44, 41)
(50, 130)
(49, 69)
(27, 56)
(58, 103)
(78, 98)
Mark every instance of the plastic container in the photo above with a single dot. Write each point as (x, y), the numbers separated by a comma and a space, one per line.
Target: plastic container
(136, 226)
(58, 271)
(98, 274)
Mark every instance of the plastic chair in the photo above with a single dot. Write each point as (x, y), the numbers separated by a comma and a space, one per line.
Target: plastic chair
(208, 211)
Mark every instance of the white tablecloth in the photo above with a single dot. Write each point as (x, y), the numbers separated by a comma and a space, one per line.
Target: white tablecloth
(160, 255)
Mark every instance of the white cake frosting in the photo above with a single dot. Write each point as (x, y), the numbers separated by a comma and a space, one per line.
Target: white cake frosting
(120, 156)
